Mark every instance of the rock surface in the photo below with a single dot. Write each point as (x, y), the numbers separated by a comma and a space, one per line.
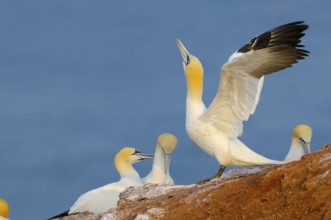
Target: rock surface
(297, 190)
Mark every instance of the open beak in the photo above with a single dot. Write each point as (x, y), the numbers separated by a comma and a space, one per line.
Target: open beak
(143, 156)
(185, 54)
(306, 146)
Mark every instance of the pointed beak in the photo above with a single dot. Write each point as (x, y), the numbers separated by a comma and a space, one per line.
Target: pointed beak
(167, 162)
(143, 156)
(185, 54)
(305, 145)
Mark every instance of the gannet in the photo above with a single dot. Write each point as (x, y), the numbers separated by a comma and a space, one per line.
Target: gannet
(100, 200)
(160, 173)
(216, 129)
(300, 145)
(4, 209)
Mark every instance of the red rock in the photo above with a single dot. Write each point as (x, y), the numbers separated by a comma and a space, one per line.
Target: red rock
(297, 190)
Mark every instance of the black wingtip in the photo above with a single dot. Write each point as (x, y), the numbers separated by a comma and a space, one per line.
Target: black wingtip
(302, 24)
(63, 214)
(285, 35)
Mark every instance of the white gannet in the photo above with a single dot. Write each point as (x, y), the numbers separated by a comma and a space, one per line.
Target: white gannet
(4, 209)
(160, 173)
(100, 200)
(301, 138)
(216, 129)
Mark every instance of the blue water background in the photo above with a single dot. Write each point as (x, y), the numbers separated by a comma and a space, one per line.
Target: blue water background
(80, 79)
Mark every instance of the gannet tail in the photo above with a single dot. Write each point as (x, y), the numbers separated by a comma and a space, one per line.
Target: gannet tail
(65, 213)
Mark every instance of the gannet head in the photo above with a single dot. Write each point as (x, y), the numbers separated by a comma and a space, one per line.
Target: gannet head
(302, 134)
(167, 142)
(128, 156)
(4, 208)
(192, 67)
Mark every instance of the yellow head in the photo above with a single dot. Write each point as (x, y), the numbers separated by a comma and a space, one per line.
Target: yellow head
(167, 142)
(302, 134)
(128, 156)
(193, 70)
(4, 208)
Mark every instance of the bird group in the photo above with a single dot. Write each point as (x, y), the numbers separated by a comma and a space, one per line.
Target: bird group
(215, 129)
(103, 198)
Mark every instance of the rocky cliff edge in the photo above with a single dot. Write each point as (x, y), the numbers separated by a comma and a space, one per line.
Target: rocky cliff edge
(297, 190)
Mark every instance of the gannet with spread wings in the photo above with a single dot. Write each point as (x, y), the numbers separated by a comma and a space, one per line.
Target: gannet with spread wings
(216, 129)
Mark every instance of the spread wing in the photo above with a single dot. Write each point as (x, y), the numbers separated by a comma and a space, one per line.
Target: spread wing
(242, 76)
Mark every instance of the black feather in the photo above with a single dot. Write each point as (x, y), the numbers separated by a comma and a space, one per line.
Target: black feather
(285, 35)
(65, 213)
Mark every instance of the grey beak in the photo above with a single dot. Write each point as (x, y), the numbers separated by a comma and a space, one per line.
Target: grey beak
(305, 145)
(167, 162)
(143, 156)
(185, 54)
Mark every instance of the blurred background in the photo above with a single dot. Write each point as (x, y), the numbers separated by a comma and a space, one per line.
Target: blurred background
(80, 79)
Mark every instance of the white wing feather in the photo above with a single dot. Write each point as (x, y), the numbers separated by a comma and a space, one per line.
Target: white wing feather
(239, 90)
(257, 97)
(96, 201)
(242, 76)
(100, 200)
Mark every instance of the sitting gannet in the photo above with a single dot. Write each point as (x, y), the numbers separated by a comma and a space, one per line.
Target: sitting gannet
(4, 210)
(100, 200)
(216, 129)
(300, 145)
(160, 173)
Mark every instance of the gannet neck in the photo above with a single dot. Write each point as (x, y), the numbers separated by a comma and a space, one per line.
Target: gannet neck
(159, 163)
(296, 151)
(159, 160)
(194, 79)
(157, 174)
(160, 172)
(4, 208)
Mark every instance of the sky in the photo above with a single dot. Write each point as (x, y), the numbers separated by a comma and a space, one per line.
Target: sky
(79, 80)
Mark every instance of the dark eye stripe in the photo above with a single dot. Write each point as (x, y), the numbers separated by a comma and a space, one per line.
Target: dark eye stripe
(137, 152)
(302, 140)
